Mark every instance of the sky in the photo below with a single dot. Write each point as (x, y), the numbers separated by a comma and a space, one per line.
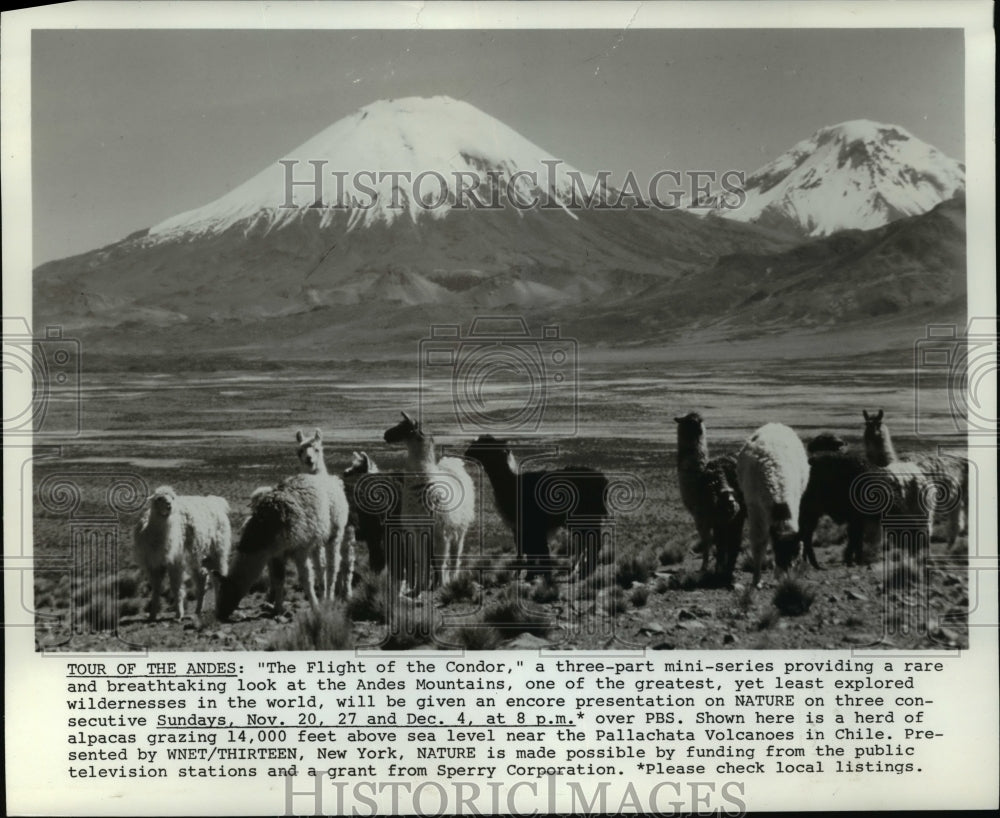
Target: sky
(130, 127)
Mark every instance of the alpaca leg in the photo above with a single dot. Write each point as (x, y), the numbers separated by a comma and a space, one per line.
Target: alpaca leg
(156, 581)
(459, 549)
(307, 578)
(276, 571)
(200, 583)
(758, 544)
(347, 560)
(442, 555)
(176, 575)
(705, 544)
(336, 569)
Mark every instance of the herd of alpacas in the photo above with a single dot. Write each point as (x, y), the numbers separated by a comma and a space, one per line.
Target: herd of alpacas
(779, 486)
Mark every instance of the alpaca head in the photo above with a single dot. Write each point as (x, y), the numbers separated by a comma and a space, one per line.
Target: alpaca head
(404, 431)
(727, 505)
(162, 501)
(361, 463)
(690, 426)
(785, 539)
(227, 596)
(310, 451)
(877, 441)
(490, 452)
(826, 442)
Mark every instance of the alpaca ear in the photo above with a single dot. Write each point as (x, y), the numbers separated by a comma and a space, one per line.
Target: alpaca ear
(865, 413)
(511, 462)
(678, 420)
(317, 435)
(298, 436)
(880, 415)
(407, 418)
(367, 461)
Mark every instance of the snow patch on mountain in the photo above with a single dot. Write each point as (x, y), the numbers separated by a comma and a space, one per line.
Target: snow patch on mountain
(379, 153)
(855, 175)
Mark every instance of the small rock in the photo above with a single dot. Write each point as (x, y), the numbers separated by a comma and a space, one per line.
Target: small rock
(527, 641)
(860, 639)
(651, 628)
(728, 639)
(684, 613)
(852, 594)
(663, 646)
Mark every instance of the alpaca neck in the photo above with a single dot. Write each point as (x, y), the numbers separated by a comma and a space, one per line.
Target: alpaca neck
(881, 451)
(245, 569)
(503, 478)
(692, 455)
(420, 454)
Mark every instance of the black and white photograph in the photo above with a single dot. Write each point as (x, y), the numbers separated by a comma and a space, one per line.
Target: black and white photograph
(478, 333)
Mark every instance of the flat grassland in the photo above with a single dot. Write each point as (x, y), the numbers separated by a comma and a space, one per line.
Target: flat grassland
(217, 427)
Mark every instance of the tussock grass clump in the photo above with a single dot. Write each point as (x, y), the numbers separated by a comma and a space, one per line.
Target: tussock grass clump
(101, 603)
(639, 596)
(672, 554)
(509, 614)
(498, 578)
(662, 585)
(793, 597)
(634, 568)
(472, 637)
(457, 589)
(367, 602)
(325, 628)
(544, 590)
(614, 601)
(768, 619)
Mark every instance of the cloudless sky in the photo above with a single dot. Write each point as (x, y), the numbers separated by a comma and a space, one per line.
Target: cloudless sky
(130, 127)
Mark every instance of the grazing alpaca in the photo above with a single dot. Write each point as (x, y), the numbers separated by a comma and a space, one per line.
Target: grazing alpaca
(339, 558)
(710, 492)
(526, 500)
(301, 518)
(828, 492)
(182, 536)
(849, 489)
(947, 476)
(369, 525)
(441, 490)
(773, 472)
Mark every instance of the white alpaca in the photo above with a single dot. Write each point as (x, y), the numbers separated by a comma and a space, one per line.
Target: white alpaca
(773, 473)
(302, 517)
(940, 480)
(437, 489)
(181, 536)
(339, 556)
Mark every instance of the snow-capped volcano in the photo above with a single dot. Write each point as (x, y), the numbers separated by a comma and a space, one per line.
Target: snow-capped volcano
(855, 175)
(392, 158)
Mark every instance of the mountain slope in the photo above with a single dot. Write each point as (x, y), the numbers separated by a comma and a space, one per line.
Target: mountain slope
(855, 175)
(905, 271)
